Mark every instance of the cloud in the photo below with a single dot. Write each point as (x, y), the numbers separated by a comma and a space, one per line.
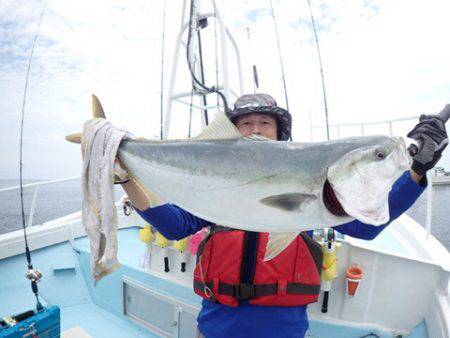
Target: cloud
(380, 62)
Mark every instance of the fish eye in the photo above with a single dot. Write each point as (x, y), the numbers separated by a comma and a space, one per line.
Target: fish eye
(380, 155)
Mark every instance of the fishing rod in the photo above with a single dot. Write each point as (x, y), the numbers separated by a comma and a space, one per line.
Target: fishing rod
(444, 116)
(280, 55)
(321, 70)
(32, 274)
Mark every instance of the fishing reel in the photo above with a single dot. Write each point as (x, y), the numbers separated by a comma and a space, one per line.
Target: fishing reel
(34, 275)
(127, 206)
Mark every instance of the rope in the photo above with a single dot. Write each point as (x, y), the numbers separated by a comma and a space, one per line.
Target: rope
(162, 70)
(321, 71)
(27, 249)
(279, 54)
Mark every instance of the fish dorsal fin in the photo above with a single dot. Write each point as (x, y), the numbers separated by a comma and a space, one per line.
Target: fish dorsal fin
(97, 109)
(221, 128)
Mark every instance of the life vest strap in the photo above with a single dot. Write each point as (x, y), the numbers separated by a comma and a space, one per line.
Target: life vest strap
(250, 291)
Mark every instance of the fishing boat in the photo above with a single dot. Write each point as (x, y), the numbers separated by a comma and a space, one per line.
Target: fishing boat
(396, 285)
(441, 177)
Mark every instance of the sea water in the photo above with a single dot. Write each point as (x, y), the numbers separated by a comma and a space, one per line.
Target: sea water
(59, 199)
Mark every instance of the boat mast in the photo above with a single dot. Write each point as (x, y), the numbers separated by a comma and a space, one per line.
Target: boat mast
(222, 89)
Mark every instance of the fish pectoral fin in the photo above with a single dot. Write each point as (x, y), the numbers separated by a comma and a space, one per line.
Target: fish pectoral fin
(220, 128)
(287, 202)
(277, 243)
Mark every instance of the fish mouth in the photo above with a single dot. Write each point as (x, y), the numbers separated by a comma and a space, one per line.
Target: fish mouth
(331, 202)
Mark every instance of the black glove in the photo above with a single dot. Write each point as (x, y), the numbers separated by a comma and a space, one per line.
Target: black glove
(432, 137)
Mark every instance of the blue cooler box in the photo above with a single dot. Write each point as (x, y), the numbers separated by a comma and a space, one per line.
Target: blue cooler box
(31, 324)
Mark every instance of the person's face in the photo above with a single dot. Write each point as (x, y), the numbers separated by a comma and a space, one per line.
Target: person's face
(259, 124)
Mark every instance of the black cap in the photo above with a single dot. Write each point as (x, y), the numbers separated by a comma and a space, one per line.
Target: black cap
(263, 104)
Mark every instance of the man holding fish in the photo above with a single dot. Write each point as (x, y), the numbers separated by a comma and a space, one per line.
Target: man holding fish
(255, 284)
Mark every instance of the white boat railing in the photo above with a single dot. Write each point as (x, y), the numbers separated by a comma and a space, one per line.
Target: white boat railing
(36, 186)
(362, 125)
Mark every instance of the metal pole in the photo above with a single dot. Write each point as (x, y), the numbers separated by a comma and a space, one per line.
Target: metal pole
(223, 42)
(168, 114)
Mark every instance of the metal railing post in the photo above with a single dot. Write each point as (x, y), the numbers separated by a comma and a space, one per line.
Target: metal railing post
(33, 205)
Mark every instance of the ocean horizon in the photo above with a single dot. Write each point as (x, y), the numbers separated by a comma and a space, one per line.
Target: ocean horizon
(60, 199)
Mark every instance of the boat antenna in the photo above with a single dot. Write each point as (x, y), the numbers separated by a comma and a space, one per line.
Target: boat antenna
(33, 275)
(162, 70)
(199, 87)
(321, 70)
(279, 54)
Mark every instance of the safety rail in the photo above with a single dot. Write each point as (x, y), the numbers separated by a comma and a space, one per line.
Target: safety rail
(36, 186)
(362, 125)
(390, 125)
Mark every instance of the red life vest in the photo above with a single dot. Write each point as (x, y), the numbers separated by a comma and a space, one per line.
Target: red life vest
(290, 279)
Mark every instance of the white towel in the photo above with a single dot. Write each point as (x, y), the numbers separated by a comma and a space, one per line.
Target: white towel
(99, 143)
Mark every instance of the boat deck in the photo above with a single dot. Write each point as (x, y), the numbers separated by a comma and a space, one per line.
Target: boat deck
(99, 311)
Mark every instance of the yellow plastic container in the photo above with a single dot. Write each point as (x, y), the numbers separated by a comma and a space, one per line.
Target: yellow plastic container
(329, 268)
(181, 245)
(161, 240)
(146, 234)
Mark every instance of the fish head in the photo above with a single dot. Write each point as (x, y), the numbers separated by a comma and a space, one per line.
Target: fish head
(363, 177)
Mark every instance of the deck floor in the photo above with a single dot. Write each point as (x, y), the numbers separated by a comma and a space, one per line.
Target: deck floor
(67, 283)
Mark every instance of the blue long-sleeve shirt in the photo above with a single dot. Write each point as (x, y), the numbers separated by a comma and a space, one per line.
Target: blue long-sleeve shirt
(247, 320)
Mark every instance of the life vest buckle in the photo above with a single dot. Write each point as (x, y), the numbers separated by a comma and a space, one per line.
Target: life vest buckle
(244, 291)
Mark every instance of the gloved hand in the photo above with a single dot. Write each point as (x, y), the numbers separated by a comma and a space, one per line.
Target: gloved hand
(431, 133)
(120, 175)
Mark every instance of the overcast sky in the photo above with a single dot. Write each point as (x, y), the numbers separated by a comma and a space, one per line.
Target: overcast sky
(382, 60)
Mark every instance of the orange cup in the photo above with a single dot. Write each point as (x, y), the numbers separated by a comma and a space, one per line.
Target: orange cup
(354, 276)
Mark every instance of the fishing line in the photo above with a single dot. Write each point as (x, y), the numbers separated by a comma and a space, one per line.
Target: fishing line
(33, 275)
(321, 70)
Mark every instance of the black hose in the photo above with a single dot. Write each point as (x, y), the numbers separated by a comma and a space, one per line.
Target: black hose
(196, 82)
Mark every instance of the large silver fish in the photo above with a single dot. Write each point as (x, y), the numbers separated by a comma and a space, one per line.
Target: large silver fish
(268, 186)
